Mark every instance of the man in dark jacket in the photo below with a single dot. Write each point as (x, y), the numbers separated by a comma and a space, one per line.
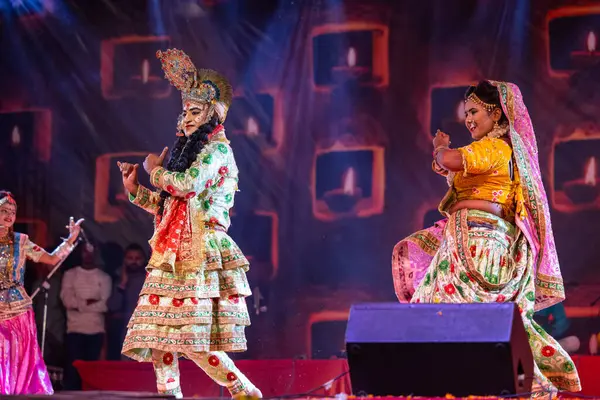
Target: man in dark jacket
(125, 295)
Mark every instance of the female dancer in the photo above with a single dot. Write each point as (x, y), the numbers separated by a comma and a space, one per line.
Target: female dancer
(22, 369)
(496, 244)
(192, 302)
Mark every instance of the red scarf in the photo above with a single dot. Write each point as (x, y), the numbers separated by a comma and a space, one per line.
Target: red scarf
(172, 229)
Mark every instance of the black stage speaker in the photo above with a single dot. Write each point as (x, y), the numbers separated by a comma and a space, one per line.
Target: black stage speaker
(438, 349)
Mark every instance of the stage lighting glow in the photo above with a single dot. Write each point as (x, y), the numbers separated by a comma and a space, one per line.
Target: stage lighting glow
(22, 7)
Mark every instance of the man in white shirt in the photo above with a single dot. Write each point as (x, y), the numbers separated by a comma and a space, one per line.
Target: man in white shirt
(84, 293)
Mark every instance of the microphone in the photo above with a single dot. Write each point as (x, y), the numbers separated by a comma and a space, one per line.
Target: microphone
(88, 245)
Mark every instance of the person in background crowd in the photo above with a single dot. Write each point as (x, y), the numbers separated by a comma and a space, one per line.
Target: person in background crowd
(84, 292)
(126, 293)
(112, 257)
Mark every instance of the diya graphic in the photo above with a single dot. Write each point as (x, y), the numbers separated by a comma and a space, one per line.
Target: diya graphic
(257, 115)
(584, 190)
(590, 56)
(574, 180)
(356, 51)
(129, 68)
(572, 39)
(349, 70)
(27, 130)
(345, 198)
(348, 181)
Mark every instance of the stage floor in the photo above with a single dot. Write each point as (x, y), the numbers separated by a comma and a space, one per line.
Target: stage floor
(289, 379)
(150, 396)
(275, 378)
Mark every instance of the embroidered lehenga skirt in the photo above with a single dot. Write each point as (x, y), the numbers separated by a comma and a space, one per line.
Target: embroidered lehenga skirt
(196, 311)
(478, 257)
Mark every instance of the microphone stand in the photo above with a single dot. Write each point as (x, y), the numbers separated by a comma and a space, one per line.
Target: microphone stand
(45, 287)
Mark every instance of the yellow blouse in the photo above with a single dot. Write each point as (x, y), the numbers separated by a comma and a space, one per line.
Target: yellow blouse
(487, 176)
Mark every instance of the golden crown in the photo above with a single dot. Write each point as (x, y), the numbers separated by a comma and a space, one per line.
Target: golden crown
(196, 85)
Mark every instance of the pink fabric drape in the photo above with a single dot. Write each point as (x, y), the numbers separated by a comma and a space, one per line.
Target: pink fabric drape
(537, 226)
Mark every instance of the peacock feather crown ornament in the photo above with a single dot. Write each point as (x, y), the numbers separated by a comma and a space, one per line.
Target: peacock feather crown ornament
(196, 85)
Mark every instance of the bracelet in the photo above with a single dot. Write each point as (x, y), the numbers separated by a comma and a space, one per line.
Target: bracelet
(63, 250)
(437, 168)
(438, 149)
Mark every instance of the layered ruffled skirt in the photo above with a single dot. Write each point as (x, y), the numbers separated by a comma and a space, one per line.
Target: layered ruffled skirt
(477, 257)
(193, 312)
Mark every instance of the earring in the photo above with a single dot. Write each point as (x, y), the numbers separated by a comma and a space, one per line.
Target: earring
(497, 131)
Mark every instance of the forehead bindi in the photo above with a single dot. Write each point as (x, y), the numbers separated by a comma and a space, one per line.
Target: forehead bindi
(8, 207)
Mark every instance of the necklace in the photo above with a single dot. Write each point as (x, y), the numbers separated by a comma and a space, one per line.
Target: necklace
(6, 238)
(6, 262)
